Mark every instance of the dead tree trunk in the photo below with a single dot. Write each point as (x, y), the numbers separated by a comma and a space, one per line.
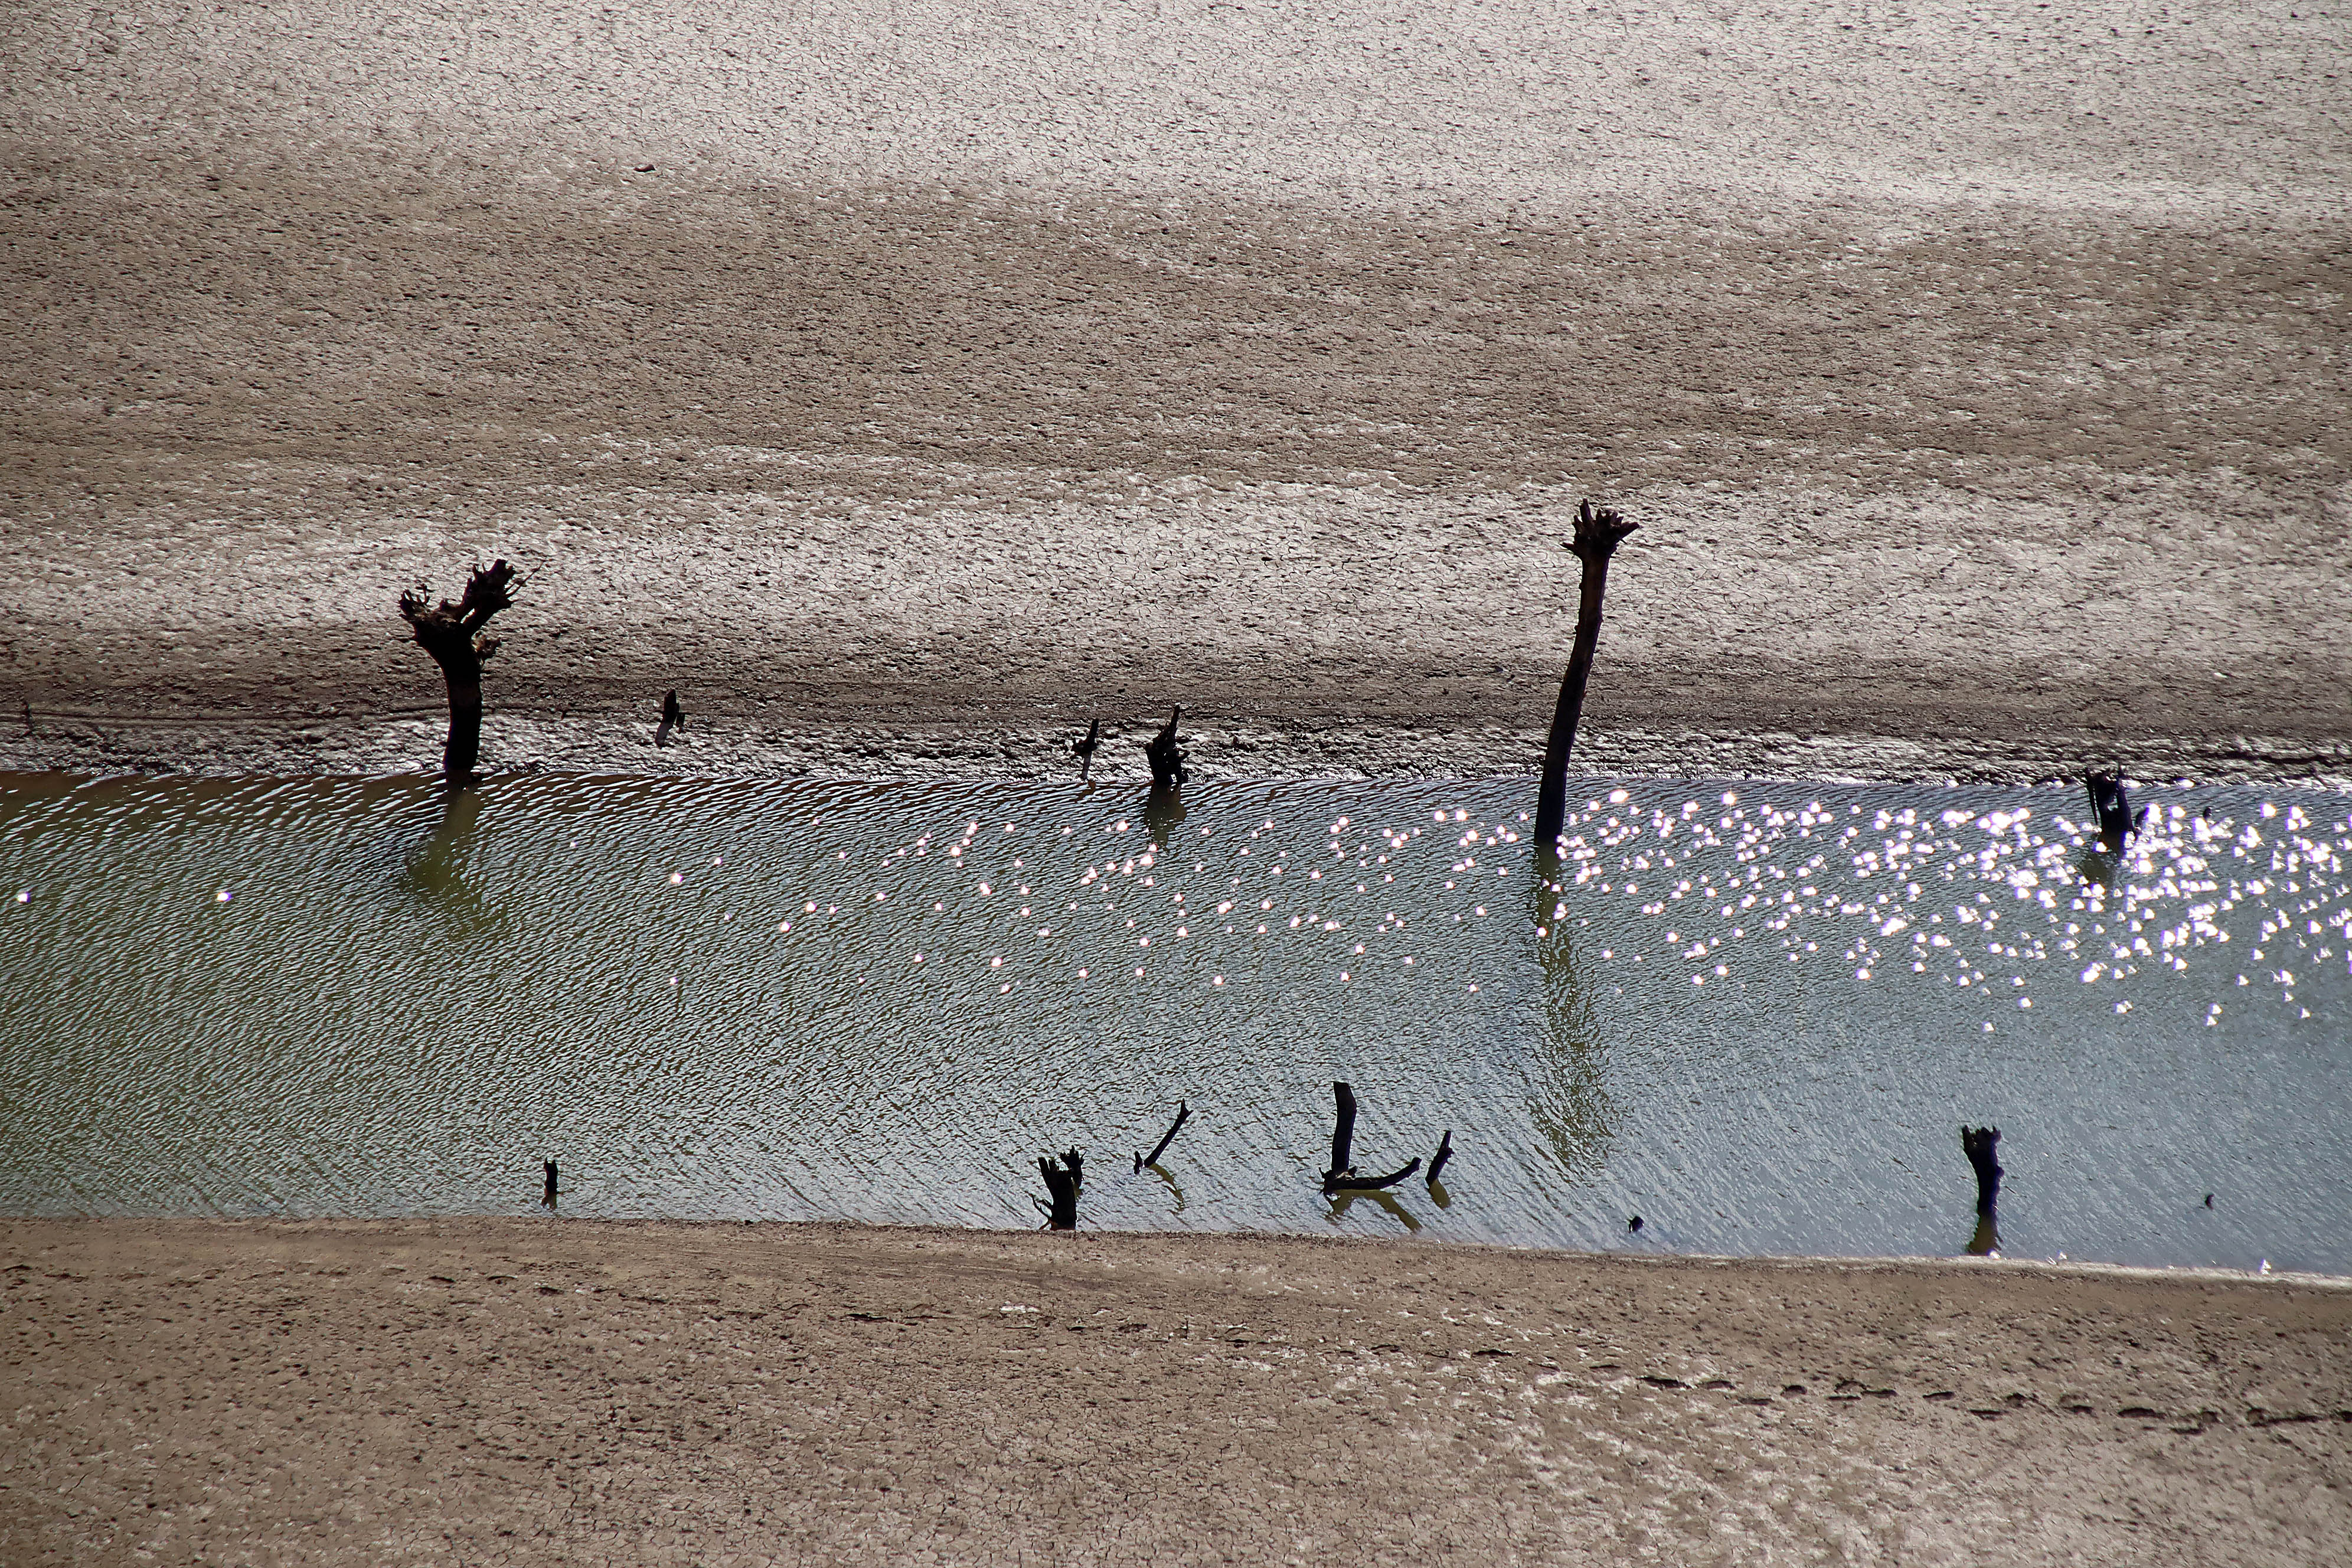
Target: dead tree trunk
(453, 635)
(1976, 1144)
(1167, 762)
(1062, 1178)
(1598, 534)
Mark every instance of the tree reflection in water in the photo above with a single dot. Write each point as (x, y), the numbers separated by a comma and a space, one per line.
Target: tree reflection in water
(434, 866)
(1567, 1096)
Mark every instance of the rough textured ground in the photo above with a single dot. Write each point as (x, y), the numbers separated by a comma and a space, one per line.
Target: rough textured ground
(907, 383)
(543, 1392)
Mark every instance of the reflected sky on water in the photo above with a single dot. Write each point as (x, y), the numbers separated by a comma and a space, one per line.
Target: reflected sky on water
(1755, 1013)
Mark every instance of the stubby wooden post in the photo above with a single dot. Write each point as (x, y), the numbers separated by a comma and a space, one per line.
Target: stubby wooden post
(1976, 1144)
(2113, 807)
(1167, 762)
(673, 717)
(1062, 1178)
(453, 635)
(1599, 531)
(548, 1167)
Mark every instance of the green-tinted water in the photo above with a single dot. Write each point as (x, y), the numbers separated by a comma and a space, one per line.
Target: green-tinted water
(1754, 1014)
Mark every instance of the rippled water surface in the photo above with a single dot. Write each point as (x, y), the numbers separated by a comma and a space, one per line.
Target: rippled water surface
(1755, 1015)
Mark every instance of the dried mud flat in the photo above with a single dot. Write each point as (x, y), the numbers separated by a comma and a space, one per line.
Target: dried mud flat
(906, 386)
(527, 1392)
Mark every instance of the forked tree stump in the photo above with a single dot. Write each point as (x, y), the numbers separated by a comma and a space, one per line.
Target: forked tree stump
(1341, 1177)
(453, 635)
(1598, 531)
(1062, 1178)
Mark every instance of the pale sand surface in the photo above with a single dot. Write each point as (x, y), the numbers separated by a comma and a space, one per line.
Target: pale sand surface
(528, 1392)
(906, 383)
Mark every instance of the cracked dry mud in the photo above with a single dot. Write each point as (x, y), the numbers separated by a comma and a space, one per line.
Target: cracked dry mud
(528, 1392)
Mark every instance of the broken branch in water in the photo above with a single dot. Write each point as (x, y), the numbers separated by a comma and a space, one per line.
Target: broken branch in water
(1444, 1152)
(1084, 750)
(1183, 1113)
(1341, 1177)
(2113, 806)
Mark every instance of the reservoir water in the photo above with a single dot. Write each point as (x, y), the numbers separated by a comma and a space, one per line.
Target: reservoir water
(1756, 1014)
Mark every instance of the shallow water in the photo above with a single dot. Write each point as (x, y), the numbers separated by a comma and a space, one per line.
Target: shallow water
(1755, 1015)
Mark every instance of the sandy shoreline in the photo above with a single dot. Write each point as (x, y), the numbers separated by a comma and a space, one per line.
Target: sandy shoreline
(544, 1391)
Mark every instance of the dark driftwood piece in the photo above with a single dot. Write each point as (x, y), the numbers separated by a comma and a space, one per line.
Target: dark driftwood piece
(1183, 1114)
(548, 1167)
(1167, 762)
(1341, 1177)
(453, 635)
(1976, 1144)
(1598, 531)
(1444, 1152)
(673, 717)
(1084, 750)
(1062, 1178)
(2118, 821)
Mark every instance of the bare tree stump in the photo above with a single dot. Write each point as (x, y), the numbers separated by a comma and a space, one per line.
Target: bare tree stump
(1062, 1178)
(453, 635)
(1167, 761)
(1976, 1144)
(1183, 1114)
(1444, 1152)
(1599, 531)
(673, 717)
(548, 1168)
(2112, 805)
(1084, 750)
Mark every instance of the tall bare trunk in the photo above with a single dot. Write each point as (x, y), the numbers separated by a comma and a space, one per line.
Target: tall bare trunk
(1597, 533)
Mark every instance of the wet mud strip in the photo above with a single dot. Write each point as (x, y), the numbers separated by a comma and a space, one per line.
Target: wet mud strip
(537, 1391)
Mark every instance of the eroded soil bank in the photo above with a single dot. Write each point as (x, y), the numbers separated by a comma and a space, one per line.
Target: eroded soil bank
(555, 1392)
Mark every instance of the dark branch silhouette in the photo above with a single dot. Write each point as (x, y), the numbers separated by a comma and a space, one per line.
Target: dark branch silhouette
(1084, 750)
(453, 635)
(1444, 1152)
(1597, 533)
(1183, 1114)
(1341, 1177)
(673, 717)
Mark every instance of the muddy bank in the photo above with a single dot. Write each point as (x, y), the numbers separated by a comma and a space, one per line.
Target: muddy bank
(544, 1391)
(1970, 403)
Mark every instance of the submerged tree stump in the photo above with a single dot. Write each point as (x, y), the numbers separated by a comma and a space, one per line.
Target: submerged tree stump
(547, 1168)
(673, 717)
(453, 635)
(1976, 1144)
(1598, 531)
(1167, 761)
(1062, 1178)
(2112, 805)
